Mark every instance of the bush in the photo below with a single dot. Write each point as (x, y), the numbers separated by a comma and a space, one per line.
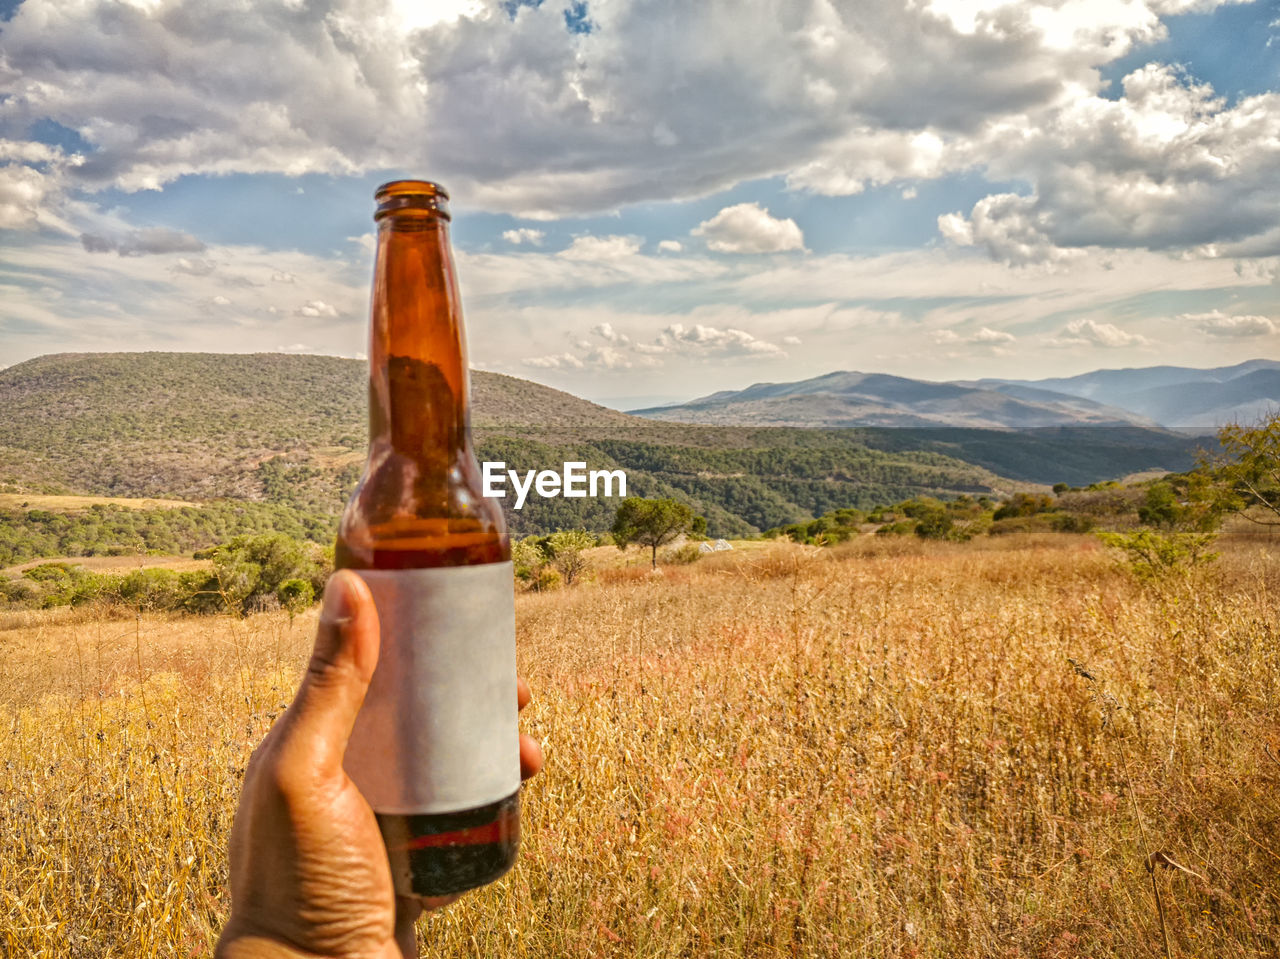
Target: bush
(295, 595)
(1151, 555)
(904, 527)
(1024, 504)
(681, 555)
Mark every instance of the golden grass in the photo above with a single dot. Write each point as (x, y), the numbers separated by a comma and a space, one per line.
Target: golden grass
(180, 564)
(880, 750)
(68, 504)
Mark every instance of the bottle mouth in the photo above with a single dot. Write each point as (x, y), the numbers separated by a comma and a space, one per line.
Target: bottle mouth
(411, 196)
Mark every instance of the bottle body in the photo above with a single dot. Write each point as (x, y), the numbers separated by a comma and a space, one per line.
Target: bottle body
(435, 748)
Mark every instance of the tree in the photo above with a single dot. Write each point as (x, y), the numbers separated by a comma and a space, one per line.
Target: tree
(1248, 471)
(250, 570)
(651, 522)
(566, 546)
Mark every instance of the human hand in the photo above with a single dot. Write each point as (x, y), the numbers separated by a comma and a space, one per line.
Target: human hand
(309, 872)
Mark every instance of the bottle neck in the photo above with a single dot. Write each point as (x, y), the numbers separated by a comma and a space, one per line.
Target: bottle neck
(418, 381)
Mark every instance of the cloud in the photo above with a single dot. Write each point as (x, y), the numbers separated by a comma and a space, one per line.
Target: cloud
(994, 339)
(1086, 332)
(606, 332)
(669, 246)
(1217, 323)
(558, 361)
(660, 100)
(601, 248)
(1166, 166)
(710, 341)
(23, 192)
(192, 266)
(607, 358)
(989, 337)
(524, 234)
(748, 228)
(1010, 227)
(317, 308)
(148, 242)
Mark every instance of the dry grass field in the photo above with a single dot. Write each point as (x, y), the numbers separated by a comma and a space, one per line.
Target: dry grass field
(881, 750)
(72, 503)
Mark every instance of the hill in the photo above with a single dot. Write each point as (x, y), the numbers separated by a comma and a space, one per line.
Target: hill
(199, 425)
(277, 442)
(289, 431)
(1168, 396)
(845, 399)
(1176, 396)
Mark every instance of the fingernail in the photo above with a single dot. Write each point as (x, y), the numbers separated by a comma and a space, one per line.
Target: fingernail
(339, 604)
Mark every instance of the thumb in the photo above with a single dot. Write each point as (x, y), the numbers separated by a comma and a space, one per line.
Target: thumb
(342, 663)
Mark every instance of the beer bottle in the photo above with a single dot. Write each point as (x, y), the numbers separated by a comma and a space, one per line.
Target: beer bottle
(435, 748)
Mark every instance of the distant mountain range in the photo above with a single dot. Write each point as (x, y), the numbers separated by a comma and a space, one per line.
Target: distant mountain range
(288, 433)
(1168, 396)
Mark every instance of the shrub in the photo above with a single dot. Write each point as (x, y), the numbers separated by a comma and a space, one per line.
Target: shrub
(295, 595)
(1151, 555)
(681, 555)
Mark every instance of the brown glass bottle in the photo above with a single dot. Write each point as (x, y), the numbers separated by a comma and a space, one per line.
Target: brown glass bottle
(435, 746)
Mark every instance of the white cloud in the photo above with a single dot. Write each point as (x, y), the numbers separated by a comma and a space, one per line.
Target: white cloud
(670, 246)
(193, 266)
(984, 337)
(748, 228)
(524, 234)
(607, 358)
(558, 361)
(791, 341)
(1217, 323)
(606, 332)
(526, 116)
(990, 337)
(601, 248)
(219, 300)
(279, 276)
(1168, 165)
(317, 308)
(710, 341)
(1087, 332)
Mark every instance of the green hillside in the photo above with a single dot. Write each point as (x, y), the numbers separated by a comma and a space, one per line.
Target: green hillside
(286, 435)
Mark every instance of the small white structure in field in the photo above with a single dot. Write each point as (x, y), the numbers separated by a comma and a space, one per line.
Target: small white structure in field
(721, 546)
(706, 548)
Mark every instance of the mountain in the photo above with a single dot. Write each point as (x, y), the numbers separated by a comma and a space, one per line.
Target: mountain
(132, 424)
(285, 435)
(846, 399)
(1173, 396)
(1158, 396)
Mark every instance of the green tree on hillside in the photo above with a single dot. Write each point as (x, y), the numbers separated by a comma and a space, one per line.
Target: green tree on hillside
(652, 523)
(252, 573)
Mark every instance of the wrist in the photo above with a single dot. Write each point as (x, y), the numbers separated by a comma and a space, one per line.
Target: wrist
(235, 944)
(255, 947)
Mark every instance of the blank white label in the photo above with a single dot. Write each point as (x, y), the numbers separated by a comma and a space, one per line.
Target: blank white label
(437, 732)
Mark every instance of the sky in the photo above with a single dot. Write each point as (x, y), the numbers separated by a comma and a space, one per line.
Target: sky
(654, 199)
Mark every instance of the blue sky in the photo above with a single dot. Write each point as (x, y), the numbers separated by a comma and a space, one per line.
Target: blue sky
(654, 201)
